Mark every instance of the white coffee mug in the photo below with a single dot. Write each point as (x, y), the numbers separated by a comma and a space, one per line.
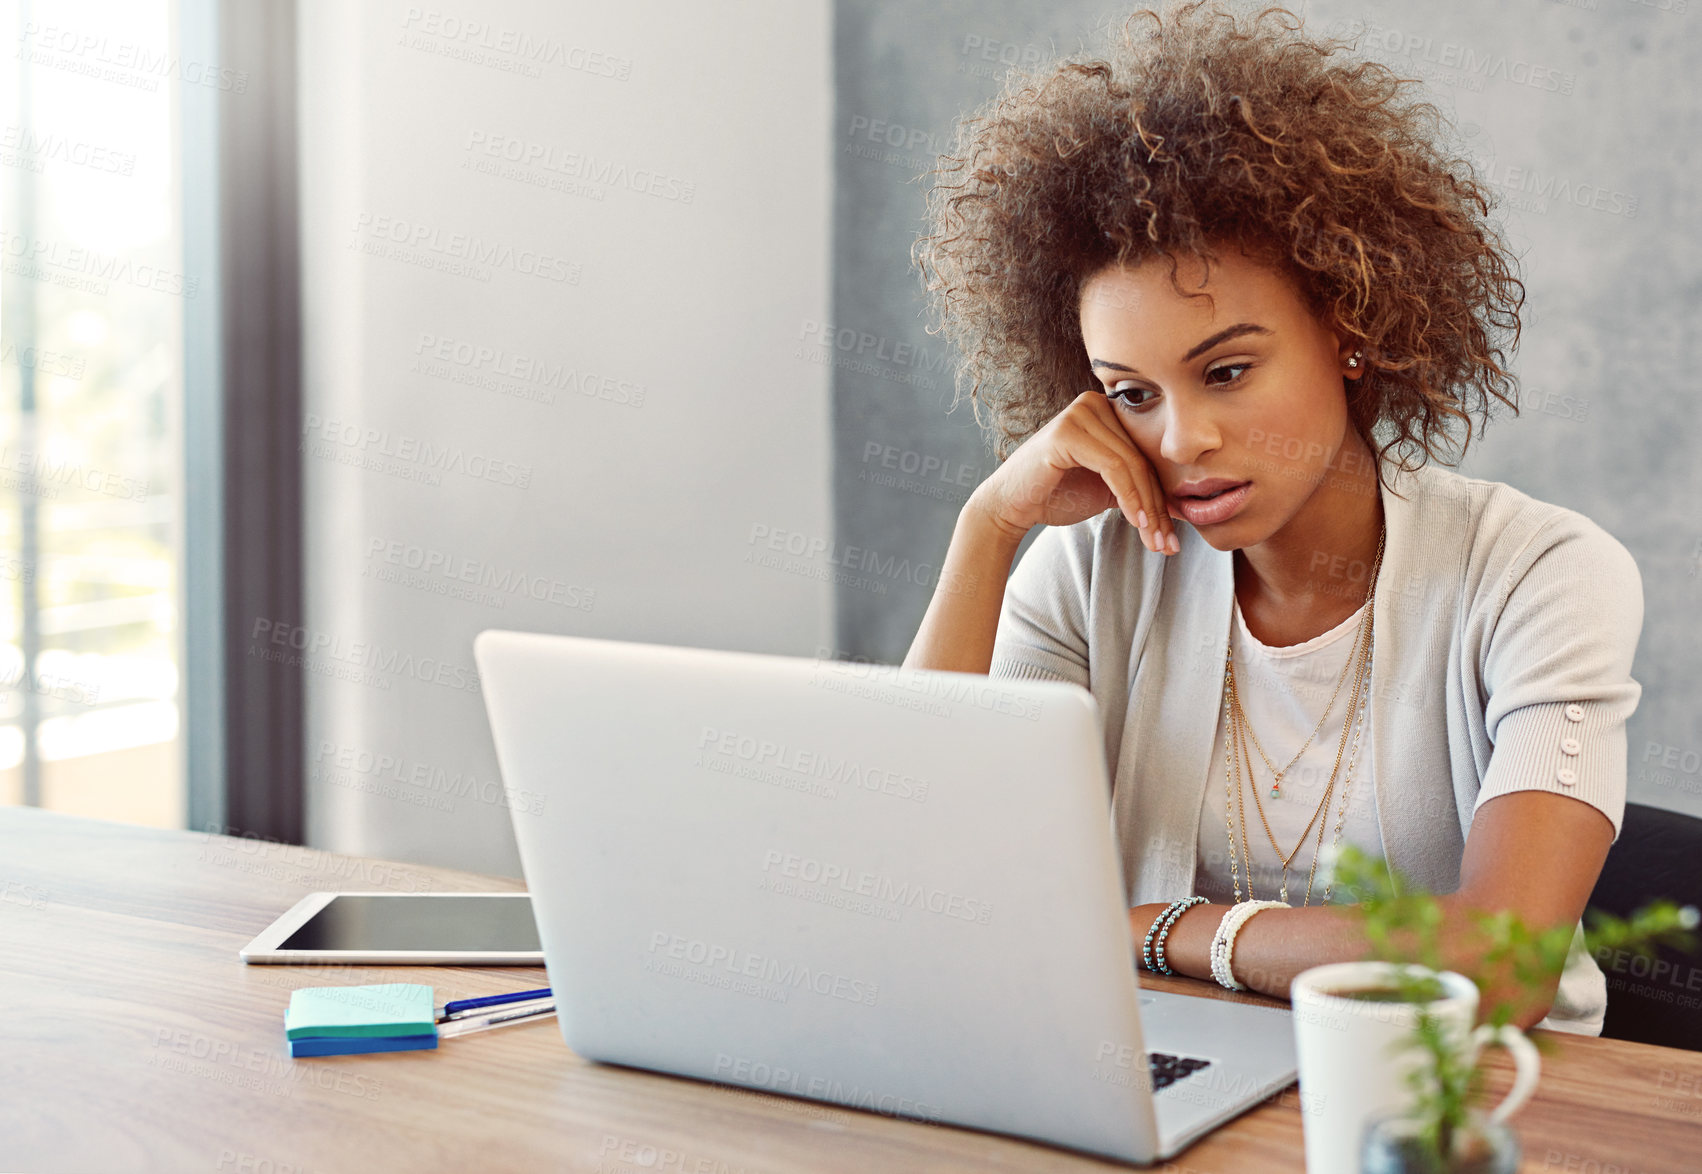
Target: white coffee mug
(1353, 1066)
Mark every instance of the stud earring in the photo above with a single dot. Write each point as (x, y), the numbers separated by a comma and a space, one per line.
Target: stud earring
(1353, 360)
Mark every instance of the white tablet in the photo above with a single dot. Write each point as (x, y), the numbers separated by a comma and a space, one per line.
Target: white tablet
(454, 929)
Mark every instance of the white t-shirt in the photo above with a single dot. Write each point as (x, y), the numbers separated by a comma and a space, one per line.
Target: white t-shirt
(1283, 692)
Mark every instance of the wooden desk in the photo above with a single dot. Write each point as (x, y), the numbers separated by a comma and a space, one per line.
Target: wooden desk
(135, 1039)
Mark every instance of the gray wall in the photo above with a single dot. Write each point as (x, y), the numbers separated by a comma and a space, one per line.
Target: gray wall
(1610, 419)
(658, 247)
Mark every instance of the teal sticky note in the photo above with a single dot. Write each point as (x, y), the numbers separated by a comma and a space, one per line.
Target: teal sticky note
(355, 1047)
(357, 1012)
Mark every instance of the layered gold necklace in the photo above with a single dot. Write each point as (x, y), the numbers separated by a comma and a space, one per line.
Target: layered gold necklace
(1237, 729)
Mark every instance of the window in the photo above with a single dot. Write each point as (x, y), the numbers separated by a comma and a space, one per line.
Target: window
(92, 315)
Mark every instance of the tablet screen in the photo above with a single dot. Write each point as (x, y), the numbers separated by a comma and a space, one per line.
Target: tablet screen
(419, 921)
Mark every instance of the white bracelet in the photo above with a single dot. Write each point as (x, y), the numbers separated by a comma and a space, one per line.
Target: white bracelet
(1223, 942)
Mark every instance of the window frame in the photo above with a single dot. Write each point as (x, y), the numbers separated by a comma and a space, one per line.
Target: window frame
(244, 716)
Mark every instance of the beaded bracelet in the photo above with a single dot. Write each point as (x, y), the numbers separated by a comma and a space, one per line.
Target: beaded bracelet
(1223, 942)
(1152, 932)
(1152, 949)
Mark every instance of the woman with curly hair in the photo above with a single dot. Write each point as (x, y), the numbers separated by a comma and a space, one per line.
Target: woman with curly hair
(1224, 284)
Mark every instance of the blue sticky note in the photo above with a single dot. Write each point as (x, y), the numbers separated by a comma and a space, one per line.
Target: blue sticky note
(371, 1043)
(386, 1010)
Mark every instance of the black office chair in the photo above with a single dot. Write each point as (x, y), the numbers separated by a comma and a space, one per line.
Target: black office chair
(1658, 1001)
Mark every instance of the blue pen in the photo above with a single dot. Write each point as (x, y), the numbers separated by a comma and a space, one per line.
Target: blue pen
(460, 1006)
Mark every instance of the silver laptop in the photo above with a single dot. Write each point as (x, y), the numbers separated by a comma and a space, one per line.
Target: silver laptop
(887, 889)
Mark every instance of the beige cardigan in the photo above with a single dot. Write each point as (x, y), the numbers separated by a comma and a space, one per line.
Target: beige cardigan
(1503, 637)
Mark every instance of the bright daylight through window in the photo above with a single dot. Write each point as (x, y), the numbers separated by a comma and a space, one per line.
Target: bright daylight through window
(91, 388)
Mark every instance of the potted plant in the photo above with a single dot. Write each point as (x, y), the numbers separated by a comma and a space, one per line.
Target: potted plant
(1442, 1129)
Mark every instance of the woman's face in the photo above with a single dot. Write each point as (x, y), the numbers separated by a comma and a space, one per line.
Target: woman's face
(1244, 388)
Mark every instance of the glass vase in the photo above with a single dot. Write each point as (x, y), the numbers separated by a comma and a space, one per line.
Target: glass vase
(1393, 1145)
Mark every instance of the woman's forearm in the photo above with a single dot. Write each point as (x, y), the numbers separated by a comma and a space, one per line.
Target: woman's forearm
(958, 631)
(1277, 944)
(1271, 948)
